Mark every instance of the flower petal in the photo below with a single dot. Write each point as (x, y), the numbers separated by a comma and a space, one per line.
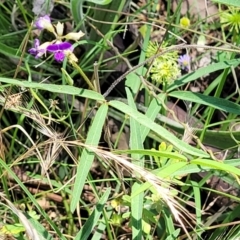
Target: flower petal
(33, 51)
(59, 28)
(53, 48)
(59, 47)
(44, 23)
(59, 56)
(36, 43)
(184, 61)
(65, 46)
(75, 35)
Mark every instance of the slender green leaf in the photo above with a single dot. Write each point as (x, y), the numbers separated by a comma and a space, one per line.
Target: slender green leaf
(155, 153)
(103, 223)
(65, 89)
(203, 71)
(152, 112)
(169, 222)
(218, 103)
(220, 139)
(92, 221)
(169, 170)
(136, 212)
(87, 157)
(135, 133)
(136, 143)
(214, 138)
(193, 168)
(217, 165)
(174, 235)
(198, 205)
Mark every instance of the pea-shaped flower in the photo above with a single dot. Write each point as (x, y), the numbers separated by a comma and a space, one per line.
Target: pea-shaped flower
(44, 23)
(59, 50)
(39, 50)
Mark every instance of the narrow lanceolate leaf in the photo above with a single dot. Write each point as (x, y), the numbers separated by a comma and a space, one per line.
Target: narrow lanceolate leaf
(92, 221)
(136, 212)
(86, 159)
(65, 89)
(152, 112)
(217, 165)
(203, 71)
(136, 143)
(135, 133)
(215, 102)
(157, 129)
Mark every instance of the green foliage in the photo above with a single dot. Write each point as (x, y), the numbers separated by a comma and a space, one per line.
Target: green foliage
(230, 2)
(67, 173)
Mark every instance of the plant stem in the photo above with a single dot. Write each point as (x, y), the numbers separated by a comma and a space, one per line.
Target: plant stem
(84, 76)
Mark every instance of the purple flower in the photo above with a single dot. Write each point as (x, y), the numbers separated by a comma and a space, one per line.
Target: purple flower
(184, 61)
(59, 50)
(34, 50)
(38, 50)
(44, 23)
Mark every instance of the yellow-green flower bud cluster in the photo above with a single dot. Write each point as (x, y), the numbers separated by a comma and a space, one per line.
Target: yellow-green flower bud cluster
(165, 68)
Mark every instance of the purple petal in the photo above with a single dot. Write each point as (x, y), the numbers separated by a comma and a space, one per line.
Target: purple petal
(59, 56)
(33, 51)
(36, 43)
(59, 47)
(184, 61)
(65, 46)
(53, 48)
(42, 22)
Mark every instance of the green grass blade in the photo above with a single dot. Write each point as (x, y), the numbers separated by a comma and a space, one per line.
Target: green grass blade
(65, 89)
(217, 165)
(197, 198)
(92, 221)
(135, 133)
(132, 80)
(87, 157)
(136, 143)
(193, 168)
(76, 9)
(220, 139)
(154, 153)
(104, 223)
(136, 212)
(169, 223)
(151, 113)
